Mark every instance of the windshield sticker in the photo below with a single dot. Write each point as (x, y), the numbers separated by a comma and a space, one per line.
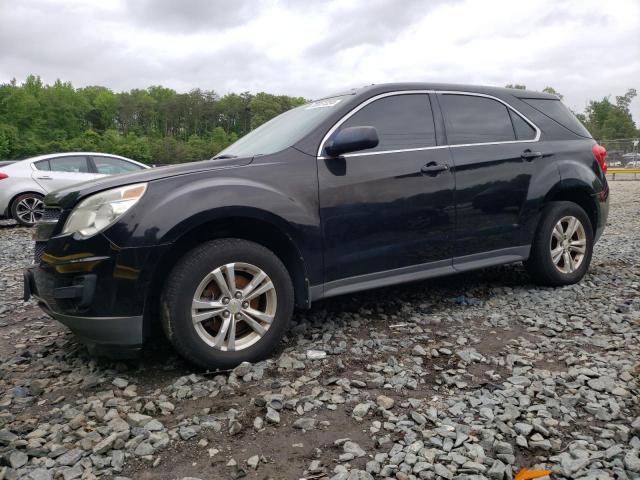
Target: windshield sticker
(323, 104)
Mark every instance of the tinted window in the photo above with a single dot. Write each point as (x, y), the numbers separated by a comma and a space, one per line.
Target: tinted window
(523, 130)
(556, 110)
(402, 121)
(69, 164)
(43, 165)
(284, 130)
(114, 166)
(471, 119)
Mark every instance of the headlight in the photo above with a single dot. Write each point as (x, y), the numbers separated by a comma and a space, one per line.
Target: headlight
(99, 211)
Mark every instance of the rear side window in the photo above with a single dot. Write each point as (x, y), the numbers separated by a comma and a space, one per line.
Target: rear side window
(43, 165)
(523, 130)
(555, 110)
(471, 119)
(69, 164)
(402, 122)
(114, 166)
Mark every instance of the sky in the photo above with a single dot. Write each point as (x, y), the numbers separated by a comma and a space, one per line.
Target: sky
(585, 49)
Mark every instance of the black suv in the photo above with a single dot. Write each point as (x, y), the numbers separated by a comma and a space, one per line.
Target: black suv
(372, 187)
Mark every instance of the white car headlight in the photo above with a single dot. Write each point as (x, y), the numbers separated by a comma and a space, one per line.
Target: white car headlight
(99, 211)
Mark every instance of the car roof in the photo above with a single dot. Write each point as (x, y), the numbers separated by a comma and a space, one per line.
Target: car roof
(375, 89)
(74, 154)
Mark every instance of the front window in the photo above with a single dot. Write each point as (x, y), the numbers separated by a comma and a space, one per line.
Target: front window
(284, 130)
(401, 121)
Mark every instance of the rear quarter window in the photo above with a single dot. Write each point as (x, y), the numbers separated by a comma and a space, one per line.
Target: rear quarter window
(43, 165)
(472, 119)
(555, 110)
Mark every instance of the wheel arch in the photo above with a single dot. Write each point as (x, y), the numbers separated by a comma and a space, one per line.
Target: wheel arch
(578, 193)
(256, 226)
(9, 211)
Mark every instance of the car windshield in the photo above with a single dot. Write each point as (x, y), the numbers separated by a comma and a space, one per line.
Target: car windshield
(282, 131)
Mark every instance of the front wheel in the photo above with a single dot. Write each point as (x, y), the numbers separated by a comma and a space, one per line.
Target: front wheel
(227, 301)
(562, 247)
(27, 209)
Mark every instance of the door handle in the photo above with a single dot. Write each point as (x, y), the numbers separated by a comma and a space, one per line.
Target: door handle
(43, 178)
(528, 155)
(432, 168)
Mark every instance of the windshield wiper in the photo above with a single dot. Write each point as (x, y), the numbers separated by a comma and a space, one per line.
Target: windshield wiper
(221, 157)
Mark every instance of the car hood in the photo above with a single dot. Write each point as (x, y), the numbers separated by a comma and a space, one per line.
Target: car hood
(67, 197)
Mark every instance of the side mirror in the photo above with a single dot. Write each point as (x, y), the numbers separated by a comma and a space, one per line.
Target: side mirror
(352, 139)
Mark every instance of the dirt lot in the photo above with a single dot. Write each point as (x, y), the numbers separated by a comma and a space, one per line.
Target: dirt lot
(469, 377)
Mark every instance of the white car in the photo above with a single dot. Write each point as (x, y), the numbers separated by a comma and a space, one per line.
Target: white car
(23, 184)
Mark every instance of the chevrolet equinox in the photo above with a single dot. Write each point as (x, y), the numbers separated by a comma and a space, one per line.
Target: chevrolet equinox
(371, 187)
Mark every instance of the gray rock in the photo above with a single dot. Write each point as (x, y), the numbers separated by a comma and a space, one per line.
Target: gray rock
(305, 423)
(359, 475)
(243, 369)
(120, 382)
(631, 461)
(72, 473)
(137, 419)
(105, 444)
(144, 448)
(385, 402)
(71, 457)
(497, 470)
(443, 471)
(254, 461)
(361, 409)
(187, 432)
(354, 449)
(272, 416)
(17, 459)
(41, 474)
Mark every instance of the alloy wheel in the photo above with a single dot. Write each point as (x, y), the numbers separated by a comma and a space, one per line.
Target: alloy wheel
(30, 209)
(568, 244)
(234, 306)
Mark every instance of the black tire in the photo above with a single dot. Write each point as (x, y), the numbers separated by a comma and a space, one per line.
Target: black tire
(20, 215)
(181, 285)
(540, 264)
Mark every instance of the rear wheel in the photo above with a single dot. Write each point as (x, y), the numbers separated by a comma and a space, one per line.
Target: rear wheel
(27, 209)
(563, 245)
(226, 302)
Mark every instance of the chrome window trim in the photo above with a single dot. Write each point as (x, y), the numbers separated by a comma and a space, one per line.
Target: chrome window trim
(414, 92)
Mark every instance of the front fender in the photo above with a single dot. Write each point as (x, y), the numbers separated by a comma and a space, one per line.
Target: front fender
(284, 197)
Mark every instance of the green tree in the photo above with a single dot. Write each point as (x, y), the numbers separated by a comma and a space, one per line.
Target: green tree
(8, 140)
(156, 124)
(553, 91)
(606, 120)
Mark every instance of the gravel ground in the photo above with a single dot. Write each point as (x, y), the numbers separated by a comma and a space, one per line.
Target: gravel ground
(469, 377)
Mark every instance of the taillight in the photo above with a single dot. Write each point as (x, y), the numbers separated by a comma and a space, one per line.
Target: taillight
(3, 176)
(600, 153)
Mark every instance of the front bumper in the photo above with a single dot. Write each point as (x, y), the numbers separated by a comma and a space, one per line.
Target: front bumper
(116, 337)
(96, 289)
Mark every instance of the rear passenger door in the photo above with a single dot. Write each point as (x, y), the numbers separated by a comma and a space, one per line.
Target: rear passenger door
(495, 154)
(61, 172)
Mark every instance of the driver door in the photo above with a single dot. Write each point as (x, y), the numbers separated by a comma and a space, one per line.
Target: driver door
(387, 212)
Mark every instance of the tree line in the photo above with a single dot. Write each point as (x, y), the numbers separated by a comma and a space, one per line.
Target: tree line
(160, 125)
(152, 125)
(605, 120)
